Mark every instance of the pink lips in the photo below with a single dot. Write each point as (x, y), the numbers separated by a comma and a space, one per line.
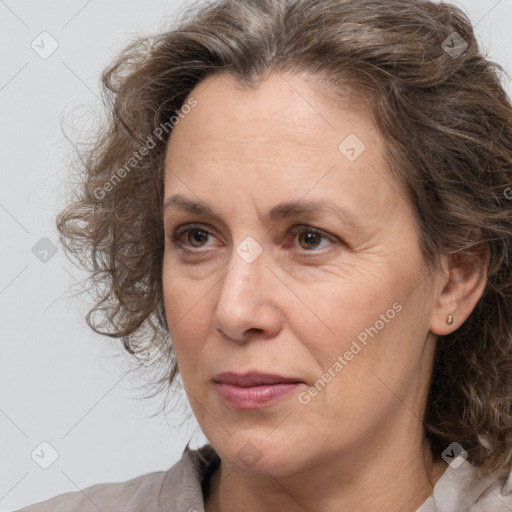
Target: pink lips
(253, 390)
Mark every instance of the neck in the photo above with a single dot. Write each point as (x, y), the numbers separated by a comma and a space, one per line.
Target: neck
(385, 477)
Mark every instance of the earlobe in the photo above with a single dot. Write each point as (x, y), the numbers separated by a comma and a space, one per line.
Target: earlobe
(460, 290)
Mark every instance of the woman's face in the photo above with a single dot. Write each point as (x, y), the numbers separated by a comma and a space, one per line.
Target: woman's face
(328, 293)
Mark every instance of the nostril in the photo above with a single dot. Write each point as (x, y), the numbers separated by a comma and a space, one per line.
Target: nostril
(247, 334)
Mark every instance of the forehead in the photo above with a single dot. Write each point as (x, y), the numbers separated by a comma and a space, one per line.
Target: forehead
(280, 105)
(285, 136)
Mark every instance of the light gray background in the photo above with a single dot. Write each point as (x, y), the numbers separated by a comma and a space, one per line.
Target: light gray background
(59, 382)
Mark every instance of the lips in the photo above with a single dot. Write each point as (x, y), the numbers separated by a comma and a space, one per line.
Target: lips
(253, 379)
(254, 390)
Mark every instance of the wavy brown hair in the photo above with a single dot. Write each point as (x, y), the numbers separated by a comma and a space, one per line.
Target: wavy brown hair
(440, 107)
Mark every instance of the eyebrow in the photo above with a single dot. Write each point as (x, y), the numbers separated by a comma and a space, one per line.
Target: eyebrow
(278, 212)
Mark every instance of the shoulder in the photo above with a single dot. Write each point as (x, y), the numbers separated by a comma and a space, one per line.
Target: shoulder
(177, 489)
(496, 492)
(465, 488)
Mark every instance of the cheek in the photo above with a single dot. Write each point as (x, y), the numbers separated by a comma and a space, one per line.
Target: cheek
(372, 322)
(376, 350)
(188, 318)
(343, 307)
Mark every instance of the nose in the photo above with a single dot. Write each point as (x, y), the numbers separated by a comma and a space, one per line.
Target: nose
(247, 302)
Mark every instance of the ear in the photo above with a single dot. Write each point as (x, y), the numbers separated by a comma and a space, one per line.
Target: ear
(460, 288)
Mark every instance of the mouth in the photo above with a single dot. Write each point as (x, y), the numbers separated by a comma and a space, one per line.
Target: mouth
(254, 390)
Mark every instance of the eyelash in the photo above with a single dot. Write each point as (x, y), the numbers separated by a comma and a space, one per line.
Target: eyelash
(175, 238)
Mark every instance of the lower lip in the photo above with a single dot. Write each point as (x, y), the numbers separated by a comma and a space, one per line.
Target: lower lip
(254, 397)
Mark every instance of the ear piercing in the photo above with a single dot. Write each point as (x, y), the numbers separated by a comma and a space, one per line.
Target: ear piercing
(449, 320)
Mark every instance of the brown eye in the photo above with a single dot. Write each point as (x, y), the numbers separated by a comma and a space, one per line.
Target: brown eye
(189, 237)
(196, 237)
(311, 238)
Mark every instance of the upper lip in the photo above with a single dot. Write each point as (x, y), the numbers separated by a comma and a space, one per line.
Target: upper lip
(252, 378)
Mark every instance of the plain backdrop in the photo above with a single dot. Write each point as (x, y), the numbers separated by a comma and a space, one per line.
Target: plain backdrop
(61, 384)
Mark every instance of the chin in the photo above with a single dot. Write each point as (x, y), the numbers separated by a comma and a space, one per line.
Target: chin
(258, 453)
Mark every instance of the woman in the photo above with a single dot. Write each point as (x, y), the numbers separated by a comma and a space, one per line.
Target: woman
(302, 206)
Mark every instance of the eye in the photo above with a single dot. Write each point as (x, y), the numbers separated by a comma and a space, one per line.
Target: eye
(195, 235)
(192, 237)
(311, 237)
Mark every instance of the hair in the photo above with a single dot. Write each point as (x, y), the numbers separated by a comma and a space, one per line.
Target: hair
(440, 107)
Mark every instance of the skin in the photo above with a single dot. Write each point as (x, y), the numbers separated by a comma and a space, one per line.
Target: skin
(358, 444)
